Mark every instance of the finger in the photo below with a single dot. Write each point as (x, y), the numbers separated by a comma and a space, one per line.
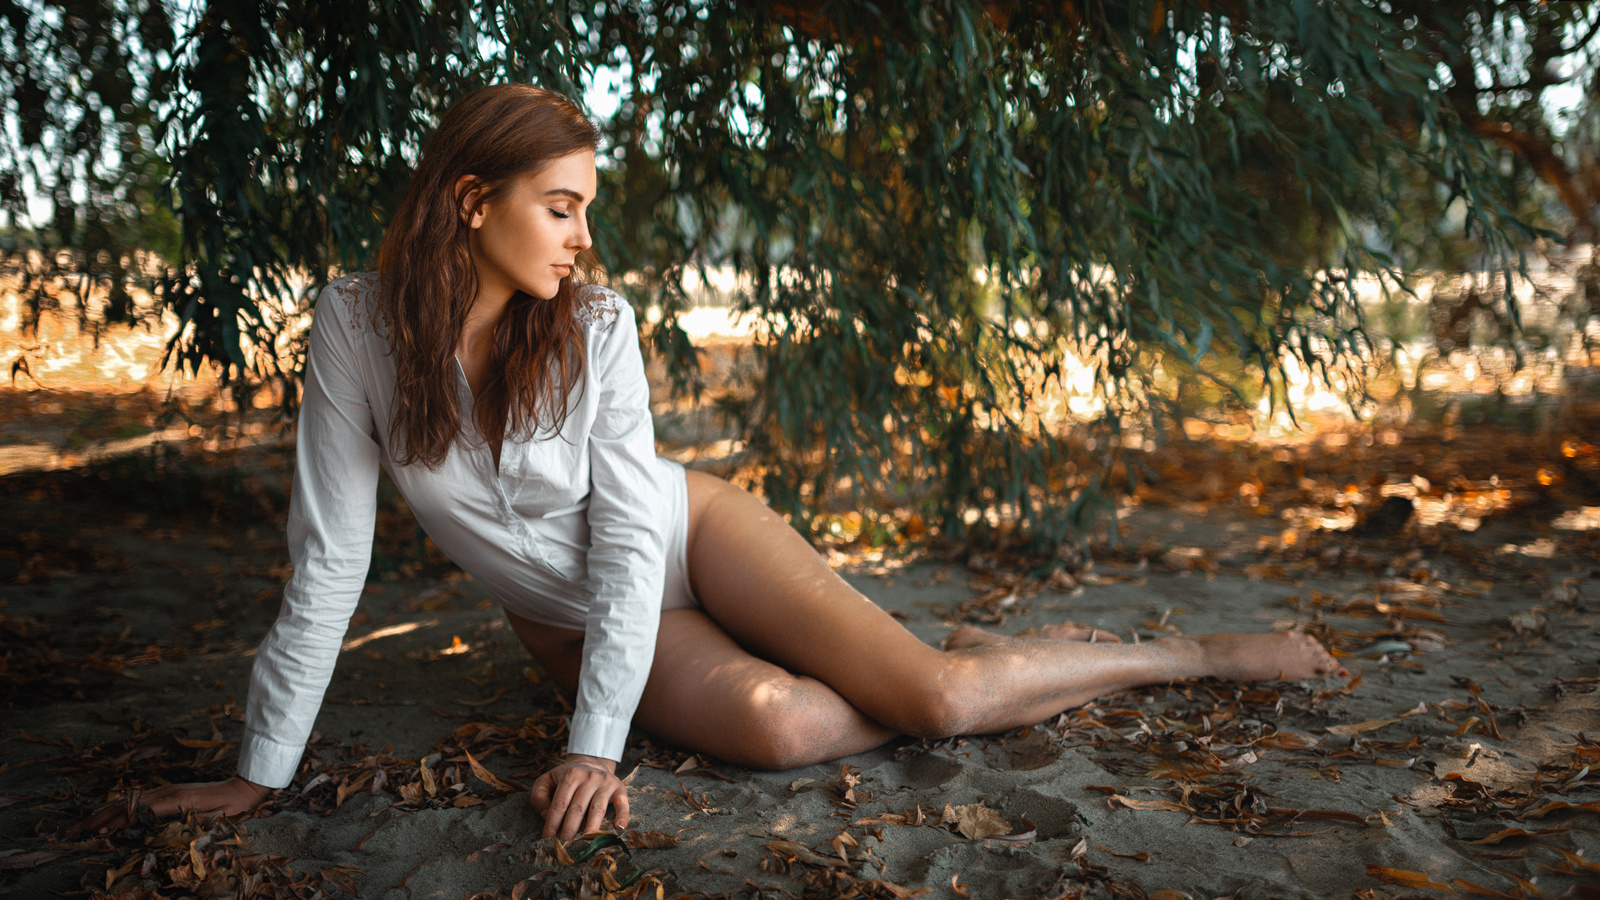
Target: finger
(619, 802)
(597, 811)
(572, 823)
(542, 789)
(557, 811)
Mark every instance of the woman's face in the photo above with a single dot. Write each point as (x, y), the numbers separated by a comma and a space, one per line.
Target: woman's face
(527, 238)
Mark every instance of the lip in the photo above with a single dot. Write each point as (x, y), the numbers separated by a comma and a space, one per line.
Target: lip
(564, 269)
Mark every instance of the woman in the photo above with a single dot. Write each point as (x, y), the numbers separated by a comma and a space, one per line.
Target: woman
(509, 404)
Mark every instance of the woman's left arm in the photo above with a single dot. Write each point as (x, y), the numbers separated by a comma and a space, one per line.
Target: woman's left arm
(625, 580)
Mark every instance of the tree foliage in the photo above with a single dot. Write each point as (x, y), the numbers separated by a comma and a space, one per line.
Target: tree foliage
(933, 205)
(81, 83)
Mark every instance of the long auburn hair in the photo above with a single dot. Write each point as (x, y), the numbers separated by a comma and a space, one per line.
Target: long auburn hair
(427, 280)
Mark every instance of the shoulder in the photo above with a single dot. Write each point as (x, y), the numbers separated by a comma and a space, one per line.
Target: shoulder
(352, 300)
(602, 309)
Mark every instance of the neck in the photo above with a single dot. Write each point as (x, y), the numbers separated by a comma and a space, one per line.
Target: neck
(481, 319)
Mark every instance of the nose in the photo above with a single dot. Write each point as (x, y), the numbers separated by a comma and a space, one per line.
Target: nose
(580, 239)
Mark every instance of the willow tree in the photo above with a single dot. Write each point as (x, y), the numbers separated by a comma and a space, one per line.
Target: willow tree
(932, 203)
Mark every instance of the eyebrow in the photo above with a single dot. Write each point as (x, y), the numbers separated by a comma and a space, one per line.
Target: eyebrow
(566, 192)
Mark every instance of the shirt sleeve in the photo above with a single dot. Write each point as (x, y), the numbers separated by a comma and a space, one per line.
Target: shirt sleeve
(331, 515)
(626, 545)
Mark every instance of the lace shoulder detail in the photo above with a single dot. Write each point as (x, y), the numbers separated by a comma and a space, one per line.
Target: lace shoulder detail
(358, 294)
(598, 306)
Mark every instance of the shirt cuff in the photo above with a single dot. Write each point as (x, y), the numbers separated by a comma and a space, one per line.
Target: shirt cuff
(267, 762)
(602, 736)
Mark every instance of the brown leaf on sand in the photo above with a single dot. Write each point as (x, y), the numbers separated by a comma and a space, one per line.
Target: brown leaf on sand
(840, 844)
(896, 891)
(805, 854)
(1169, 894)
(1508, 833)
(958, 886)
(488, 777)
(1577, 862)
(1356, 728)
(1558, 805)
(1406, 878)
(652, 840)
(848, 779)
(1286, 740)
(562, 855)
(16, 859)
(1420, 709)
(1478, 890)
(1334, 815)
(477, 855)
(1131, 803)
(428, 783)
(350, 787)
(974, 821)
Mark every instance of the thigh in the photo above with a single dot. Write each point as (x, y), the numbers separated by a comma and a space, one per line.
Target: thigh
(765, 585)
(706, 693)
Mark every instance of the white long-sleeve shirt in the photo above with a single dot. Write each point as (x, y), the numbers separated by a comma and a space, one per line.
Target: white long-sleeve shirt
(568, 531)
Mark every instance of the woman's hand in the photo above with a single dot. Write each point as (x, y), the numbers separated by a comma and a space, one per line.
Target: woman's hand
(573, 796)
(230, 798)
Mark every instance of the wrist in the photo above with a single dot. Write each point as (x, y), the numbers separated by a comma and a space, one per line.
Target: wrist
(609, 766)
(260, 791)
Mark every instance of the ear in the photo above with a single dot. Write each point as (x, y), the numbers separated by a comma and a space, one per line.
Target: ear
(467, 188)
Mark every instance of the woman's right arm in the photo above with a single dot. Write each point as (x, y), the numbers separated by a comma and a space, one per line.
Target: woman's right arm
(331, 515)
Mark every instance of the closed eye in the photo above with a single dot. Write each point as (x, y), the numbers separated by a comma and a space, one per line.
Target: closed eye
(560, 215)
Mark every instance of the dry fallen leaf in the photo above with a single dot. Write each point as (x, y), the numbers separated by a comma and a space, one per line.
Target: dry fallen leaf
(805, 854)
(1577, 862)
(428, 783)
(488, 777)
(840, 843)
(1507, 833)
(1356, 728)
(1131, 803)
(1557, 805)
(1478, 890)
(652, 840)
(1406, 878)
(478, 855)
(974, 821)
(1141, 856)
(16, 859)
(957, 885)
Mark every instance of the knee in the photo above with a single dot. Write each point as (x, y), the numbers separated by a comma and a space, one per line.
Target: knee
(780, 744)
(785, 729)
(940, 704)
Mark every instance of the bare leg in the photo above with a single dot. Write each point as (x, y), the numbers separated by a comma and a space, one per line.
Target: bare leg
(963, 636)
(708, 695)
(764, 585)
(786, 664)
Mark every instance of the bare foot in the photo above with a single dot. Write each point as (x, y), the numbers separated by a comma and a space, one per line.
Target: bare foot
(965, 636)
(1265, 657)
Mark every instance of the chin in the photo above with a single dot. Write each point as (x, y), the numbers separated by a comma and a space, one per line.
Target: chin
(543, 291)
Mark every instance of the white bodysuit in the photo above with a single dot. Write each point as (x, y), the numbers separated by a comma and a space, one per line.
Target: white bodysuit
(579, 528)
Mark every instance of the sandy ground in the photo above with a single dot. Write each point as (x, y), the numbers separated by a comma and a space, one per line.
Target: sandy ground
(1456, 761)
